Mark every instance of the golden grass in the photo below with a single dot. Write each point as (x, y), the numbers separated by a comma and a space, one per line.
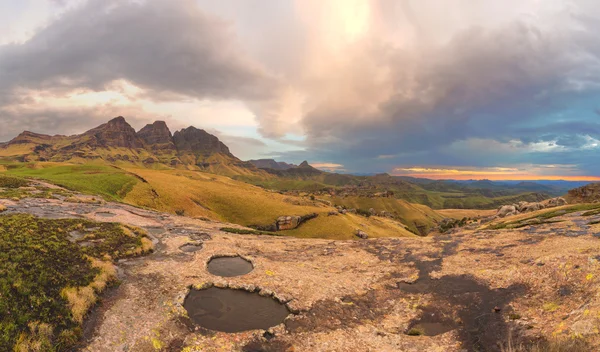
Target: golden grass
(466, 213)
(2, 208)
(17, 149)
(343, 227)
(199, 194)
(216, 197)
(412, 215)
(81, 299)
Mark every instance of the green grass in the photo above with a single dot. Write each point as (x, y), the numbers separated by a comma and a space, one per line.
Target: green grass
(591, 212)
(109, 182)
(38, 262)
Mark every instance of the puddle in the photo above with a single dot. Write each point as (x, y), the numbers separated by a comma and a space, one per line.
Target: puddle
(200, 236)
(229, 266)
(230, 310)
(429, 329)
(191, 247)
(105, 214)
(155, 230)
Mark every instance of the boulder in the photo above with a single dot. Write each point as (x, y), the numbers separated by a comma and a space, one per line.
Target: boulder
(507, 210)
(361, 234)
(555, 202)
(287, 222)
(529, 207)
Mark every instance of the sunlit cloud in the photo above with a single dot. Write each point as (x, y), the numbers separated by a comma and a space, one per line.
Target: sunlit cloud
(333, 167)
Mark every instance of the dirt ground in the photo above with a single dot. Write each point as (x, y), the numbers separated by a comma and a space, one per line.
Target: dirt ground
(469, 290)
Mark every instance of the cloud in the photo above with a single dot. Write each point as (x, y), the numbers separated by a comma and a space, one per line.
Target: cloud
(156, 45)
(368, 84)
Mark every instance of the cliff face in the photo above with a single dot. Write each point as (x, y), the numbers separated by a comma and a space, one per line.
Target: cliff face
(199, 142)
(157, 137)
(115, 133)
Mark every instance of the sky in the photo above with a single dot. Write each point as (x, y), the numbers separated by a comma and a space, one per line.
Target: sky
(440, 89)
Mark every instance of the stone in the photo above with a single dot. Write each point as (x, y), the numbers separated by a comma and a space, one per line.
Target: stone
(584, 327)
(506, 210)
(361, 234)
(287, 222)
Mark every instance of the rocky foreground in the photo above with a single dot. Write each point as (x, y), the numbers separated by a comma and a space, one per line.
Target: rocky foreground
(471, 290)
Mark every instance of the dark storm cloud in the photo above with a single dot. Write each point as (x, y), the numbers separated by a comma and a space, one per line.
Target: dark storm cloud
(163, 46)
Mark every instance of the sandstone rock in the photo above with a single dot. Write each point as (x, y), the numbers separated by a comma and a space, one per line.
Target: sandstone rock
(2, 208)
(361, 234)
(507, 210)
(158, 137)
(584, 327)
(115, 133)
(529, 207)
(555, 202)
(287, 222)
(199, 142)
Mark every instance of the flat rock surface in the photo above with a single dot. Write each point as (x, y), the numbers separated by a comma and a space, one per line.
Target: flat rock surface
(469, 290)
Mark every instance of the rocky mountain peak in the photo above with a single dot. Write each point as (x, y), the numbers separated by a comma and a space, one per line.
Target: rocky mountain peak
(199, 141)
(115, 133)
(271, 164)
(157, 136)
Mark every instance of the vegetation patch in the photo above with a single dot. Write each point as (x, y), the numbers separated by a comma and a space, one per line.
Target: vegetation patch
(545, 218)
(110, 182)
(48, 280)
(248, 231)
(12, 182)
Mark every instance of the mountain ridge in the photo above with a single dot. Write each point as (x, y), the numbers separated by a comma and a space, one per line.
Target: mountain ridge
(117, 140)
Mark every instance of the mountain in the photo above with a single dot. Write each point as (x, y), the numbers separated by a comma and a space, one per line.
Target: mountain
(157, 137)
(199, 143)
(303, 172)
(116, 133)
(117, 141)
(271, 164)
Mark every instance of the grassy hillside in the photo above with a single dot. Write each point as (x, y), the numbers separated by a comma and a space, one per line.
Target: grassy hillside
(216, 197)
(110, 182)
(344, 226)
(201, 194)
(418, 218)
